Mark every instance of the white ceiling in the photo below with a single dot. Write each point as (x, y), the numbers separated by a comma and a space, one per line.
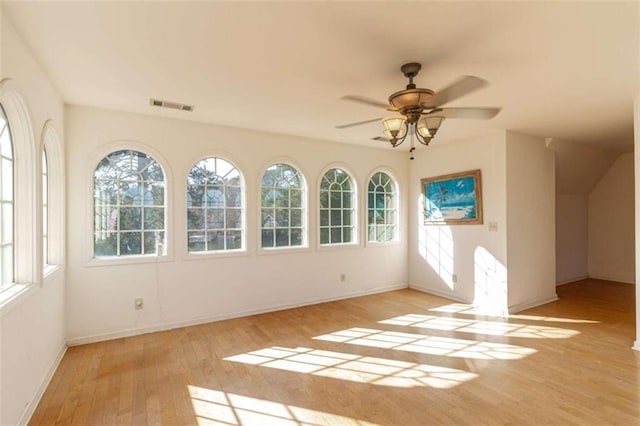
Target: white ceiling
(561, 70)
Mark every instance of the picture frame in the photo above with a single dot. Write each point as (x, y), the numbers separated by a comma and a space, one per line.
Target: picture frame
(453, 199)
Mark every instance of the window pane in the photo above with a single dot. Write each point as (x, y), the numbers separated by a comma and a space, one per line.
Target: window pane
(234, 218)
(196, 240)
(154, 218)
(215, 185)
(130, 243)
(195, 218)
(106, 244)
(153, 194)
(324, 217)
(7, 223)
(346, 235)
(336, 217)
(296, 237)
(324, 236)
(336, 235)
(151, 241)
(234, 240)
(282, 218)
(267, 238)
(130, 194)
(7, 179)
(215, 219)
(7, 264)
(296, 217)
(130, 218)
(282, 237)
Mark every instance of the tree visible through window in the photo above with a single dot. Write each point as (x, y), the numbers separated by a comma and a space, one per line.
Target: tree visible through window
(215, 213)
(282, 207)
(382, 208)
(129, 198)
(6, 202)
(337, 208)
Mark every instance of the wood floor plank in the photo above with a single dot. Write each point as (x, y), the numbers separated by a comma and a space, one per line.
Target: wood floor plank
(397, 358)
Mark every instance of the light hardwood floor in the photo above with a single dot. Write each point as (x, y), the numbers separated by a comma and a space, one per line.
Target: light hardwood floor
(401, 358)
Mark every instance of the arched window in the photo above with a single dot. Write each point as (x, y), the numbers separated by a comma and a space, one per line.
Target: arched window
(282, 203)
(52, 199)
(382, 208)
(337, 208)
(129, 205)
(45, 209)
(6, 202)
(215, 212)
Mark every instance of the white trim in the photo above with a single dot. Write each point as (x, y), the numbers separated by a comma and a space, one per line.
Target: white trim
(305, 214)
(243, 208)
(440, 293)
(35, 400)
(27, 257)
(14, 295)
(357, 240)
(522, 306)
(203, 320)
(92, 163)
(55, 197)
(636, 346)
(365, 207)
(603, 278)
(572, 280)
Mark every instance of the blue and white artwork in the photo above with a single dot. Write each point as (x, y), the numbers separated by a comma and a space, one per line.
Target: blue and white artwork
(452, 198)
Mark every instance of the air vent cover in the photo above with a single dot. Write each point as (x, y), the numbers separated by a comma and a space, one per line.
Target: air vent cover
(172, 105)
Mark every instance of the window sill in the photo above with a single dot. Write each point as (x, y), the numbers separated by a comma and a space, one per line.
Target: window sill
(341, 246)
(283, 250)
(50, 270)
(13, 296)
(127, 260)
(208, 255)
(383, 243)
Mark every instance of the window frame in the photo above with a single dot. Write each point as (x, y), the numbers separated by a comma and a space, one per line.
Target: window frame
(396, 187)
(355, 215)
(242, 251)
(95, 159)
(304, 206)
(27, 271)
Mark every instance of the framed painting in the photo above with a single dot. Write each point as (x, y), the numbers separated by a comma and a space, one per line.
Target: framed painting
(453, 199)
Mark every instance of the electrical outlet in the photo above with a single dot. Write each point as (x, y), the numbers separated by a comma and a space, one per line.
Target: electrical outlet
(493, 226)
(454, 278)
(138, 303)
(343, 277)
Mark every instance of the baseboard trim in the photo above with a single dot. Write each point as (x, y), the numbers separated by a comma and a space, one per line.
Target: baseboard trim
(572, 280)
(203, 320)
(522, 306)
(636, 346)
(603, 278)
(446, 295)
(35, 400)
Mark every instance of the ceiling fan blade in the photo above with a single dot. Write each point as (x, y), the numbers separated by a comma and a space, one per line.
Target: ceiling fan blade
(366, 101)
(479, 113)
(344, 126)
(380, 139)
(457, 89)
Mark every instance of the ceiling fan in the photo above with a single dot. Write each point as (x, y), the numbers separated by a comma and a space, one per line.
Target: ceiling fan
(420, 110)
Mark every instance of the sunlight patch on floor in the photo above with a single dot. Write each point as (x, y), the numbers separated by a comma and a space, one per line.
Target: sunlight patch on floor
(461, 308)
(431, 345)
(491, 328)
(223, 408)
(355, 368)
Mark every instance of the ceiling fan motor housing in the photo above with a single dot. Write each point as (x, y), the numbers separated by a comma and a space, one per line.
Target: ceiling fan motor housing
(410, 100)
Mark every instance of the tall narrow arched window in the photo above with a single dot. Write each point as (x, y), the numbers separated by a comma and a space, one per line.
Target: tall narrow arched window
(45, 209)
(129, 205)
(337, 208)
(6, 202)
(382, 208)
(215, 212)
(282, 207)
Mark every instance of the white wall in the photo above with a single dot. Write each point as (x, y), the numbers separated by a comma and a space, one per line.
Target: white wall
(438, 252)
(611, 254)
(188, 289)
(636, 128)
(531, 213)
(33, 329)
(571, 237)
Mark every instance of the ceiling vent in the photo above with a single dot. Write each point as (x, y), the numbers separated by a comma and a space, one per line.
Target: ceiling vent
(172, 105)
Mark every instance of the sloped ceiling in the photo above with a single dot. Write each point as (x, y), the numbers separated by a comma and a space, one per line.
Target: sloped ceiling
(566, 70)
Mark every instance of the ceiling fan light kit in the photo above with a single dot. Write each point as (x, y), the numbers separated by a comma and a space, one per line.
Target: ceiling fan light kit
(420, 112)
